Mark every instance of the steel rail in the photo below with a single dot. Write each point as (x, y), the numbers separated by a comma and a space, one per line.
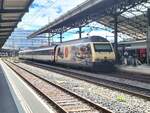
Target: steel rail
(96, 106)
(140, 92)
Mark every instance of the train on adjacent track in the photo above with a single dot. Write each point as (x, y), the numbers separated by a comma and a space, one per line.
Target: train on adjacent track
(93, 52)
(137, 48)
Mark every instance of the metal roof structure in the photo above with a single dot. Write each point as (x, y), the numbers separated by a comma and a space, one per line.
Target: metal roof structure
(11, 12)
(133, 22)
(104, 11)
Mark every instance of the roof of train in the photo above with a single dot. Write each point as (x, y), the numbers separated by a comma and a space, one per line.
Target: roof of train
(83, 40)
(38, 49)
(132, 42)
(87, 39)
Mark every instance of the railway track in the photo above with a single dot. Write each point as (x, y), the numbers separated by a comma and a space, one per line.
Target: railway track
(145, 78)
(121, 83)
(63, 99)
(131, 76)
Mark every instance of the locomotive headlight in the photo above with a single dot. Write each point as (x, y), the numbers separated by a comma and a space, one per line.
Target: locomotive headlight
(97, 60)
(105, 58)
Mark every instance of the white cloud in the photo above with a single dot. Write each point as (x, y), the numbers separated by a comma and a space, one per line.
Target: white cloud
(43, 11)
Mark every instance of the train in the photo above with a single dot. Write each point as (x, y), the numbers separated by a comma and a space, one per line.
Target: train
(92, 52)
(137, 48)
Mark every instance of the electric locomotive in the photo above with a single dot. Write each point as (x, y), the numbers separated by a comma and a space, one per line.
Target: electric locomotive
(91, 52)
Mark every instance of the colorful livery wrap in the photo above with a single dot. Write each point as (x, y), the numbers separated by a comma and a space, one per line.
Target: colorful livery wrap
(92, 52)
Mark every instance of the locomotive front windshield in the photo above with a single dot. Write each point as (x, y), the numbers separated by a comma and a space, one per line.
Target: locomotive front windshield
(102, 48)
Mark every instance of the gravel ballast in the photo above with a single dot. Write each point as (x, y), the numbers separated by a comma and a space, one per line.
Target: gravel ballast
(114, 100)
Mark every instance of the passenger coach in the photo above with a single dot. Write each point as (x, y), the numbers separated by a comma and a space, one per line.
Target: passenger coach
(93, 52)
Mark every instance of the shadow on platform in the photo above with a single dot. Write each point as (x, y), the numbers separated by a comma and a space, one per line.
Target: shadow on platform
(7, 104)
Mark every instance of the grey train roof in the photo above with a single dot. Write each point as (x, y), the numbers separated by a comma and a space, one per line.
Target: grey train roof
(83, 40)
(87, 39)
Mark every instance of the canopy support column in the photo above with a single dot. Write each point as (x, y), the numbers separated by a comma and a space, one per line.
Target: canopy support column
(80, 32)
(116, 37)
(49, 36)
(61, 37)
(148, 38)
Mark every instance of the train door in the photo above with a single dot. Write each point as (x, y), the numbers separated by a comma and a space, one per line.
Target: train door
(142, 55)
(59, 54)
(54, 54)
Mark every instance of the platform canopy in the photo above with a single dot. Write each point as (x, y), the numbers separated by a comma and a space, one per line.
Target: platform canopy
(11, 12)
(132, 18)
(133, 22)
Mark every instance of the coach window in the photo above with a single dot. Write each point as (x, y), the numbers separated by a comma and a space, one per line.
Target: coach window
(51, 52)
(46, 52)
(41, 52)
(58, 50)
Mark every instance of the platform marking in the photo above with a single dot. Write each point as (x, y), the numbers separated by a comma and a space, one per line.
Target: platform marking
(22, 101)
(5, 67)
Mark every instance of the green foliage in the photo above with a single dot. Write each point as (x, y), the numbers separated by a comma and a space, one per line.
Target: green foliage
(121, 98)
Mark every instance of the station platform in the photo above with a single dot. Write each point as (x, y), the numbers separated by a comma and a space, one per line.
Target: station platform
(16, 96)
(140, 69)
(7, 104)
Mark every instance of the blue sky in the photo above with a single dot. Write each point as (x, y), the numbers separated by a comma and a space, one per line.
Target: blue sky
(42, 12)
